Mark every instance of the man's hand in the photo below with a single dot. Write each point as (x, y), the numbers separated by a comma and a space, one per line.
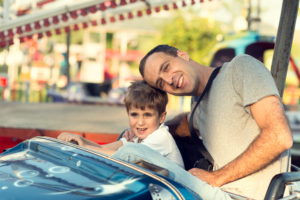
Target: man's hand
(204, 175)
(128, 135)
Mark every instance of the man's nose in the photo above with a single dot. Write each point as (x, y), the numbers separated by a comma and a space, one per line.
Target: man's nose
(167, 79)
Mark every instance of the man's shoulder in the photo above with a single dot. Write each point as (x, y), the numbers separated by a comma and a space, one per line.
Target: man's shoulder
(243, 57)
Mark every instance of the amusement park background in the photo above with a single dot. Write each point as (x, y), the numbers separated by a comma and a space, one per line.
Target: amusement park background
(93, 62)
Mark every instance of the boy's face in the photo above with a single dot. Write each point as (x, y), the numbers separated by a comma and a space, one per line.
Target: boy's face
(144, 122)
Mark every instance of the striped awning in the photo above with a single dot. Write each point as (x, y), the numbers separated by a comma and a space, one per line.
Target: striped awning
(82, 14)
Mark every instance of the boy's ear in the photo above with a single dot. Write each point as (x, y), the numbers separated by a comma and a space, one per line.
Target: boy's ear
(183, 55)
(162, 117)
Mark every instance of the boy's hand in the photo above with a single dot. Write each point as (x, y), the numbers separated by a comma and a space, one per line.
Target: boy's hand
(73, 138)
(128, 135)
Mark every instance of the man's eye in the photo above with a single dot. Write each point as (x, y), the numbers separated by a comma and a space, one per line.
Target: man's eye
(166, 67)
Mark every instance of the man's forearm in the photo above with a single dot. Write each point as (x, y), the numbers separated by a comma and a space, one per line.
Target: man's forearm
(275, 137)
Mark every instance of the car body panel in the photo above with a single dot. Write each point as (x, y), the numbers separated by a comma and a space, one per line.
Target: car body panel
(45, 168)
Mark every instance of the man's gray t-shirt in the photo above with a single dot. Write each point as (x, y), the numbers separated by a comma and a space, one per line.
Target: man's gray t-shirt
(227, 126)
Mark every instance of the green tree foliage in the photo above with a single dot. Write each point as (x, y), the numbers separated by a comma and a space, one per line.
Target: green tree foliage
(192, 34)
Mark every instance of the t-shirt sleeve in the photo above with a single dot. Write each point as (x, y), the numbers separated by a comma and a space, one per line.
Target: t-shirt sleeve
(252, 80)
(158, 141)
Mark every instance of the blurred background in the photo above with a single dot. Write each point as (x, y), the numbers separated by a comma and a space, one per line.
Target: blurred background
(57, 54)
(89, 51)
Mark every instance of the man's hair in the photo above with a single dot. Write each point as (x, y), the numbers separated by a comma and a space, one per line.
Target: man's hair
(172, 51)
(141, 95)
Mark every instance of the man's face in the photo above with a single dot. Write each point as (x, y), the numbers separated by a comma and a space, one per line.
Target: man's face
(174, 75)
(144, 122)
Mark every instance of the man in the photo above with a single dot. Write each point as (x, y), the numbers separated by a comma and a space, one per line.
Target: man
(241, 118)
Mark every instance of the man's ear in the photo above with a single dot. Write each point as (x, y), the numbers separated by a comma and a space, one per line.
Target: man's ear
(162, 117)
(183, 55)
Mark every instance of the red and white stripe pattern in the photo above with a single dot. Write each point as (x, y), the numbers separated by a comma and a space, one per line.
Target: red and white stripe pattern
(82, 17)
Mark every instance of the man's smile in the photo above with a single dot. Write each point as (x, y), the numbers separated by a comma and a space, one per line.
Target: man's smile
(180, 82)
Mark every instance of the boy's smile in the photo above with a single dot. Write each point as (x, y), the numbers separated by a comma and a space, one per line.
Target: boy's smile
(144, 122)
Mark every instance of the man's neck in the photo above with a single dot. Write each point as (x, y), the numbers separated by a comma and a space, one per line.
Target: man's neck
(204, 74)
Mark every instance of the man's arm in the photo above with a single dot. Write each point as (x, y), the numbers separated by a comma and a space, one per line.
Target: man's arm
(179, 125)
(275, 138)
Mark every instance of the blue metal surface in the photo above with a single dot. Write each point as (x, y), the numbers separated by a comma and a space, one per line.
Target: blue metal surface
(44, 168)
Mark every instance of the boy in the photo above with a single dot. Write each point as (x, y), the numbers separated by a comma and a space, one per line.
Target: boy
(146, 109)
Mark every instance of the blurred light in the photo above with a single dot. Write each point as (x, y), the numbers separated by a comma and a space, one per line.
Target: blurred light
(22, 39)
(55, 20)
(85, 25)
(57, 31)
(10, 33)
(240, 24)
(112, 19)
(11, 42)
(40, 35)
(93, 9)
(103, 21)
(64, 17)
(3, 44)
(183, 3)
(67, 29)
(157, 9)
(148, 11)
(19, 30)
(175, 6)
(3, 81)
(107, 3)
(76, 27)
(102, 6)
(94, 23)
(83, 12)
(37, 25)
(166, 7)
(2, 36)
(139, 13)
(46, 22)
(28, 28)
(48, 33)
(74, 14)
(123, 2)
(113, 4)
(130, 15)
(121, 17)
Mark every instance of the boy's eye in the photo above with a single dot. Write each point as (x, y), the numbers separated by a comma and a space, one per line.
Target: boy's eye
(148, 114)
(133, 114)
(160, 84)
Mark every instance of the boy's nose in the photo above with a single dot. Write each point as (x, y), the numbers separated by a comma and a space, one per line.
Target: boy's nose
(140, 121)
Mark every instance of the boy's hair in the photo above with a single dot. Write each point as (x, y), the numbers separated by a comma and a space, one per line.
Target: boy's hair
(172, 51)
(141, 95)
